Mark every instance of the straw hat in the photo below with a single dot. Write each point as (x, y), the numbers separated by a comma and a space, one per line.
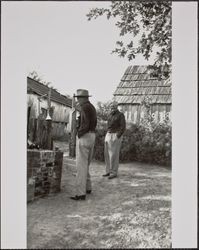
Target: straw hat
(82, 93)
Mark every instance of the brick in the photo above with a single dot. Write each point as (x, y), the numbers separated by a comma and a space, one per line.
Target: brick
(30, 190)
(50, 165)
(37, 165)
(46, 168)
(29, 173)
(47, 156)
(36, 172)
(38, 177)
(55, 186)
(44, 174)
(39, 191)
(50, 170)
(33, 156)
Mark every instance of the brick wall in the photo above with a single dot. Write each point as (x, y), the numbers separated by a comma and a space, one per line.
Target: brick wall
(44, 171)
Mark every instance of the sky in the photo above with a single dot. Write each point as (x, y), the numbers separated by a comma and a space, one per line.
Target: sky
(56, 40)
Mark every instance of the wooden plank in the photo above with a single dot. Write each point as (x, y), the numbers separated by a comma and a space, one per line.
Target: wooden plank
(72, 144)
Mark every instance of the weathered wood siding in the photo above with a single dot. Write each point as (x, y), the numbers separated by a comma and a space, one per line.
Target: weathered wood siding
(133, 113)
(60, 112)
(140, 84)
(59, 129)
(60, 115)
(33, 103)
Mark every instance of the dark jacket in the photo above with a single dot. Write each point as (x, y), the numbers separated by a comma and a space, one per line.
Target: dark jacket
(116, 123)
(87, 119)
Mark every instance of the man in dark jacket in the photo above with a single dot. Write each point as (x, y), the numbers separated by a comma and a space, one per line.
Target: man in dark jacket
(84, 144)
(116, 127)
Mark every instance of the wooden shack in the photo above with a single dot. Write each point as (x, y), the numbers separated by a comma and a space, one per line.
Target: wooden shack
(139, 85)
(37, 106)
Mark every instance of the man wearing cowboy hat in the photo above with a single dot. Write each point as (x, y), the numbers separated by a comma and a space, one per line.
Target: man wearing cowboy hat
(85, 144)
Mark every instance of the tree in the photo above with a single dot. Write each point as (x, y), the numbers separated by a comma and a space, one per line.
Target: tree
(103, 110)
(34, 75)
(147, 21)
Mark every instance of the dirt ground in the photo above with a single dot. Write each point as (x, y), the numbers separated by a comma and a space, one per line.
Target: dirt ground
(131, 211)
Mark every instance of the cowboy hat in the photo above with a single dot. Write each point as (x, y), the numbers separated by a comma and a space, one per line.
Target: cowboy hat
(82, 93)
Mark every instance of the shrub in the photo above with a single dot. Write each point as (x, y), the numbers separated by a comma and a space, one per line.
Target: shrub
(145, 143)
(99, 145)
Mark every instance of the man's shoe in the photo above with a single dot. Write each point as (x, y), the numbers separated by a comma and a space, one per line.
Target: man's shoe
(105, 175)
(112, 176)
(77, 198)
(88, 191)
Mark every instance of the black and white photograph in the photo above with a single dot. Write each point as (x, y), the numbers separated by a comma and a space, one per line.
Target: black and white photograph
(98, 107)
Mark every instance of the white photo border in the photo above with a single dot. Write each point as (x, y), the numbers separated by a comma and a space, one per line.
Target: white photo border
(184, 117)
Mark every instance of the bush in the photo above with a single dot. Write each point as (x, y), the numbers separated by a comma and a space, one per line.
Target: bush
(99, 145)
(146, 142)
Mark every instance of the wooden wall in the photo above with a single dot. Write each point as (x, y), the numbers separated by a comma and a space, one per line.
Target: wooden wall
(60, 116)
(59, 129)
(60, 112)
(133, 113)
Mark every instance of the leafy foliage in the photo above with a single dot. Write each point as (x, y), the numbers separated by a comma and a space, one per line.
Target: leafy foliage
(147, 141)
(34, 75)
(140, 144)
(149, 21)
(103, 110)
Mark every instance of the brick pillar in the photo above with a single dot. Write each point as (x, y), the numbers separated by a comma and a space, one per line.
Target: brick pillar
(44, 170)
(57, 173)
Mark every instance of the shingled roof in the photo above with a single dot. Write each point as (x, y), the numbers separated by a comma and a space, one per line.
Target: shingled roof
(34, 86)
(137, 83)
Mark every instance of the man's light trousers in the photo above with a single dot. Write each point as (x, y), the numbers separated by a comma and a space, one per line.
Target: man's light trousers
(111, 152)
(84, 152)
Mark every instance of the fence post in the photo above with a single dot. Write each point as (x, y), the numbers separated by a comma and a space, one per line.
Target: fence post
(49, 123)
(72, 146)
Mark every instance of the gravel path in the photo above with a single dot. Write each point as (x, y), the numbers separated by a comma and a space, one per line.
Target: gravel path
(131, 211)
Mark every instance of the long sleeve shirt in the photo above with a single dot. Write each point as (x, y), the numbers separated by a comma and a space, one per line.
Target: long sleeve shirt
(87, 119)
(116, 123)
